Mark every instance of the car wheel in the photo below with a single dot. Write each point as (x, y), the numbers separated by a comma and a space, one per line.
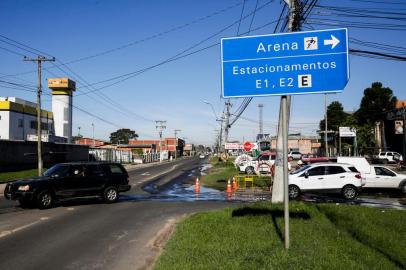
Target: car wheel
(250, 170)
(25, 203)
(403, 188)
(349, 192)
(294, 192)
(110, 195)
(44, 199)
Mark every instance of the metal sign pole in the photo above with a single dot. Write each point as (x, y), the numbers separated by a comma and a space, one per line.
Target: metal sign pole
(285, 168)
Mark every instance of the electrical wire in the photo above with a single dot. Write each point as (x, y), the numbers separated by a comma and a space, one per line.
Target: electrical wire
(148, 38)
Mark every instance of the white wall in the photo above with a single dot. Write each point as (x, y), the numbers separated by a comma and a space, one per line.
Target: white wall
(10, 129)
(4, 125)
(62, 110)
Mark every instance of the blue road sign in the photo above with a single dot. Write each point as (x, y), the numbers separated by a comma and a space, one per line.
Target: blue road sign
(285, 64)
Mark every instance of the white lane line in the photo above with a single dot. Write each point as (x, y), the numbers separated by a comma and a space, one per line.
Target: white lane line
(8, 232)
(156, 175)
(146, 173)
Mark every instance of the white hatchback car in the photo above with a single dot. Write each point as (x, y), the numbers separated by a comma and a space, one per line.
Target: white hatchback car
(326, 178)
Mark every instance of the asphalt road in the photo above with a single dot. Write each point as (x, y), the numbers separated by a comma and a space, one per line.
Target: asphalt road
(88, 234)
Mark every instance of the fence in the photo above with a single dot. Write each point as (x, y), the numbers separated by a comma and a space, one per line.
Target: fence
(121, 156)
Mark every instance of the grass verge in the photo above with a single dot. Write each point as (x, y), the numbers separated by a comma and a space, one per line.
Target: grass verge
(10, 176)
(222, 171)
(252, 238)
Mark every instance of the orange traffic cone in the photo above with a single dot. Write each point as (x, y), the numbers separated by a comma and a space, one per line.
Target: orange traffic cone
(235, 184)
(229, 190)
(197, 185)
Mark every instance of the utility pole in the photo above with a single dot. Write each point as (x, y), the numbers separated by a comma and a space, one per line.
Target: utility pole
(221, 120)
(280, 189)
(160, 126)
(79, 131)
(93, 134)
(176, 141)
(227, 121)
(39, 61)
(404, 133)
(261, 123)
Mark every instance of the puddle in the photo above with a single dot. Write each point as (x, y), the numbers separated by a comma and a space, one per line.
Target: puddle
(375, 202)
(181, 192)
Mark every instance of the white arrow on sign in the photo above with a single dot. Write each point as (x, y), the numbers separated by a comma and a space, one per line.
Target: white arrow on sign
(333, 41)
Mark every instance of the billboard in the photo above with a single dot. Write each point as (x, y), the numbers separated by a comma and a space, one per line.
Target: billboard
(347, 132)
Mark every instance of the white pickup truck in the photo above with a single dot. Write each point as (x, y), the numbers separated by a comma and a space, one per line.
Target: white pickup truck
(389, 157)
(376, 176)
(261, 164)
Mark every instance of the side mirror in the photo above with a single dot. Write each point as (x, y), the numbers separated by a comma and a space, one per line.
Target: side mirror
(306, 175)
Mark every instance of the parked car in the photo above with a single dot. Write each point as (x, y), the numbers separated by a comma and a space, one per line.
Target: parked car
(313, 158)
(241, 160)
(258, 163)
(389, 157)
(326, 178)
(294, 155)
(263, 164)
(70, 180)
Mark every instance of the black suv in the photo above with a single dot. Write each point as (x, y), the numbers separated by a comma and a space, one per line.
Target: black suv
(70, 180)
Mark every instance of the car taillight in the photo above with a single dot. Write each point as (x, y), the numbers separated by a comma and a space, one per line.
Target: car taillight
(358, 176)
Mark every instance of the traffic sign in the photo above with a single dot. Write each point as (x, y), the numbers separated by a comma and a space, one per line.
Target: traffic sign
(248, 146)
(285, 64)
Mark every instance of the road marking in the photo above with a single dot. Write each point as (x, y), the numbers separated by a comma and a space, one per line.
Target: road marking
(146, 173)
(156, 175)
(70, 209)
(8, 232)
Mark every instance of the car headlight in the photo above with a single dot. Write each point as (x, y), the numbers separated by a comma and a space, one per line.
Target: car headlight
(24, 188)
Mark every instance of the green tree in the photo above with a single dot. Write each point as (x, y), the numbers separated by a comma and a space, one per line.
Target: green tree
(74, 138)
(376, 101)
(336, 116)
(122, 136)
(366, 139)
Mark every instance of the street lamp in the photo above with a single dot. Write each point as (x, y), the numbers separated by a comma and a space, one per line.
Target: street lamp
(212, 108)
(221, 119)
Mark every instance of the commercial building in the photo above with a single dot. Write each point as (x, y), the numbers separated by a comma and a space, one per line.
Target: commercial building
(168, 144)
(303, 144)
(18, 120)
(90, 142)
(389, 131)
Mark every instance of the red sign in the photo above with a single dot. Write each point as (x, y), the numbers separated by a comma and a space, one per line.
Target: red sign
(248, 146)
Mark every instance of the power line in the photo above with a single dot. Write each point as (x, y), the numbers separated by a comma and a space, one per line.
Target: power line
(160, 34)
(177, 56)
(118, 108)
(387, 56)
(13, 52)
